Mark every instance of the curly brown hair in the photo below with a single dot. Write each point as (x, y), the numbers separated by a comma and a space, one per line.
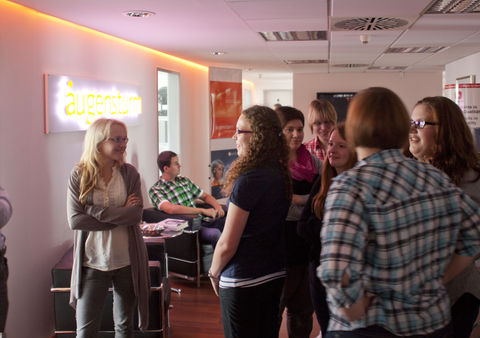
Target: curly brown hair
(455, 152)
(267, 147)
(329, 172)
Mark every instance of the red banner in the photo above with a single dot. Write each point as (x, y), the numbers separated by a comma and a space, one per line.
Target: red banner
(225, 108)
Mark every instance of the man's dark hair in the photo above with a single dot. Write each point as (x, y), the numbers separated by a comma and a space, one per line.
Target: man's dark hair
(165, 159)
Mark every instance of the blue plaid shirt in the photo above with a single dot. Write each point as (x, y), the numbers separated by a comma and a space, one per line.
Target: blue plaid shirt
(180, 191)
(392, 224)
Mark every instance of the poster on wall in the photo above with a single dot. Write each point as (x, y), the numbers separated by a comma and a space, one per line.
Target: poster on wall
(221, 161)
(467, 96)
(225, 107)
(225, 101)
(340, 101)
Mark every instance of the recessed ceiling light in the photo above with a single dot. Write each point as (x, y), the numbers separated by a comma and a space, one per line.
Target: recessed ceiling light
(217, 53)
(138, 13)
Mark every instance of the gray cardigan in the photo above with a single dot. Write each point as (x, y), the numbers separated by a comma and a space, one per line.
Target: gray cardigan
(468, 281)
(85, 218)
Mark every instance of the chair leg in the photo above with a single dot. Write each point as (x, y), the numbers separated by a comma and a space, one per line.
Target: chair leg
(199, 261)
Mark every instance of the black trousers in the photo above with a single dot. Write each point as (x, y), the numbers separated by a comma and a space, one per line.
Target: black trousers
(251, 312)
(319, 298)
(464, 314)
(379, 332)
(3, 292)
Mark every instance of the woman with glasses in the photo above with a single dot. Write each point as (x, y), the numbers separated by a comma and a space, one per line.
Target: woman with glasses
(104, 208)
(247, 270)
(394, 231)
(322, 118)
(304, 168)
(340, 157)
(439, 135)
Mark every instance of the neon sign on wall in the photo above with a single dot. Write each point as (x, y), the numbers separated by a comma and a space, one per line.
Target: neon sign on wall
(73, 103)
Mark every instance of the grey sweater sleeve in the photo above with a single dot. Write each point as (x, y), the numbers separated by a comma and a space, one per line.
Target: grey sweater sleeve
(78, 219)
(5, 207)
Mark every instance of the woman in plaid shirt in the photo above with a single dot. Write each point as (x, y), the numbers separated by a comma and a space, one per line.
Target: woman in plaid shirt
(394, 231)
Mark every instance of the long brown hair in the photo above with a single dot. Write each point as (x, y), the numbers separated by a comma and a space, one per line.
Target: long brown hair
(267, 147)
(329, 172)
(455, 152)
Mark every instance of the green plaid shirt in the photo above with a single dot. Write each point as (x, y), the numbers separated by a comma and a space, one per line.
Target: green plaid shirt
(180, 191)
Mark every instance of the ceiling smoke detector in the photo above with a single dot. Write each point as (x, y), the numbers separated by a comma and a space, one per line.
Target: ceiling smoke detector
(138, 14)
(368, 24)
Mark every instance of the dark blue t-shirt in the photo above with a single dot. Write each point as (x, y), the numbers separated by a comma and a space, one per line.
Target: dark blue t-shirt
(260, 255)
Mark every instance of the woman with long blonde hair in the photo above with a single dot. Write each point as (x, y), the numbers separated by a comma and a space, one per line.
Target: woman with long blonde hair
(104, 208)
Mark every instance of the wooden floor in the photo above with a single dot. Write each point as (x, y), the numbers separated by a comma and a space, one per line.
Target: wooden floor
(196, 312)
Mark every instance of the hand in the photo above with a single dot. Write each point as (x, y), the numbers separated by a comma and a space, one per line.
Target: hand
(132, 201)
(220, 212)
(215, 284)
(210, 213)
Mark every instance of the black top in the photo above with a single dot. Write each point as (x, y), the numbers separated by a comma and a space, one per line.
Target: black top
(309, 226)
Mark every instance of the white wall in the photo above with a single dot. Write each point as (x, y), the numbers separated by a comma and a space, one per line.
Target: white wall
(411, 87)
(469, 65)
(34, 167)
(261, 82)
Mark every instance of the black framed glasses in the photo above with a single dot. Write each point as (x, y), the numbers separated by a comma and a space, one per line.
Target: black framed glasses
(118, 139)
(240, 131)
(420, 124)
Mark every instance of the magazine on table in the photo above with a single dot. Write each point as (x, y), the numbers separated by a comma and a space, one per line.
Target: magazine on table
(168, 224)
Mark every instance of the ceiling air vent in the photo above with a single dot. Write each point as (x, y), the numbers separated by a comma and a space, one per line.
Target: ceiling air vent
(414, 50)
(350, 65)
(303, 62)
(368, 24)
(387, 68)
(454, 7)
(294, 36)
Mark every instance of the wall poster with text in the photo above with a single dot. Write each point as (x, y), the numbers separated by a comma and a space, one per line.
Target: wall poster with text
(467, 96)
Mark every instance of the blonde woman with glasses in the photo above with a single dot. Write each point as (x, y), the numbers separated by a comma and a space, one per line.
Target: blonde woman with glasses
(104, 208)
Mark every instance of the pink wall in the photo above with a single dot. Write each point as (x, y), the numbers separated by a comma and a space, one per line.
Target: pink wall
(411, 87)
(34, 167)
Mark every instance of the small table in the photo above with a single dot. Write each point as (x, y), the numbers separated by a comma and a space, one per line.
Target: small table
(156, 245)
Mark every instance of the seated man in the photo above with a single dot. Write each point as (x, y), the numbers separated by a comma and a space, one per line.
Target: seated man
(174, 194)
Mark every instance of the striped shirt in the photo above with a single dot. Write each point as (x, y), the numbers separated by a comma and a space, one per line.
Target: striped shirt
(180, 191)
(392, 224)
(316, 148)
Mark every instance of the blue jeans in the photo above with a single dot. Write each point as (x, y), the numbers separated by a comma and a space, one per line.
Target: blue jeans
(210, 232)
(94, 288)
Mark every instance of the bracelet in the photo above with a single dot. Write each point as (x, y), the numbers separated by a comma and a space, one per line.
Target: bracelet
(210, 275)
